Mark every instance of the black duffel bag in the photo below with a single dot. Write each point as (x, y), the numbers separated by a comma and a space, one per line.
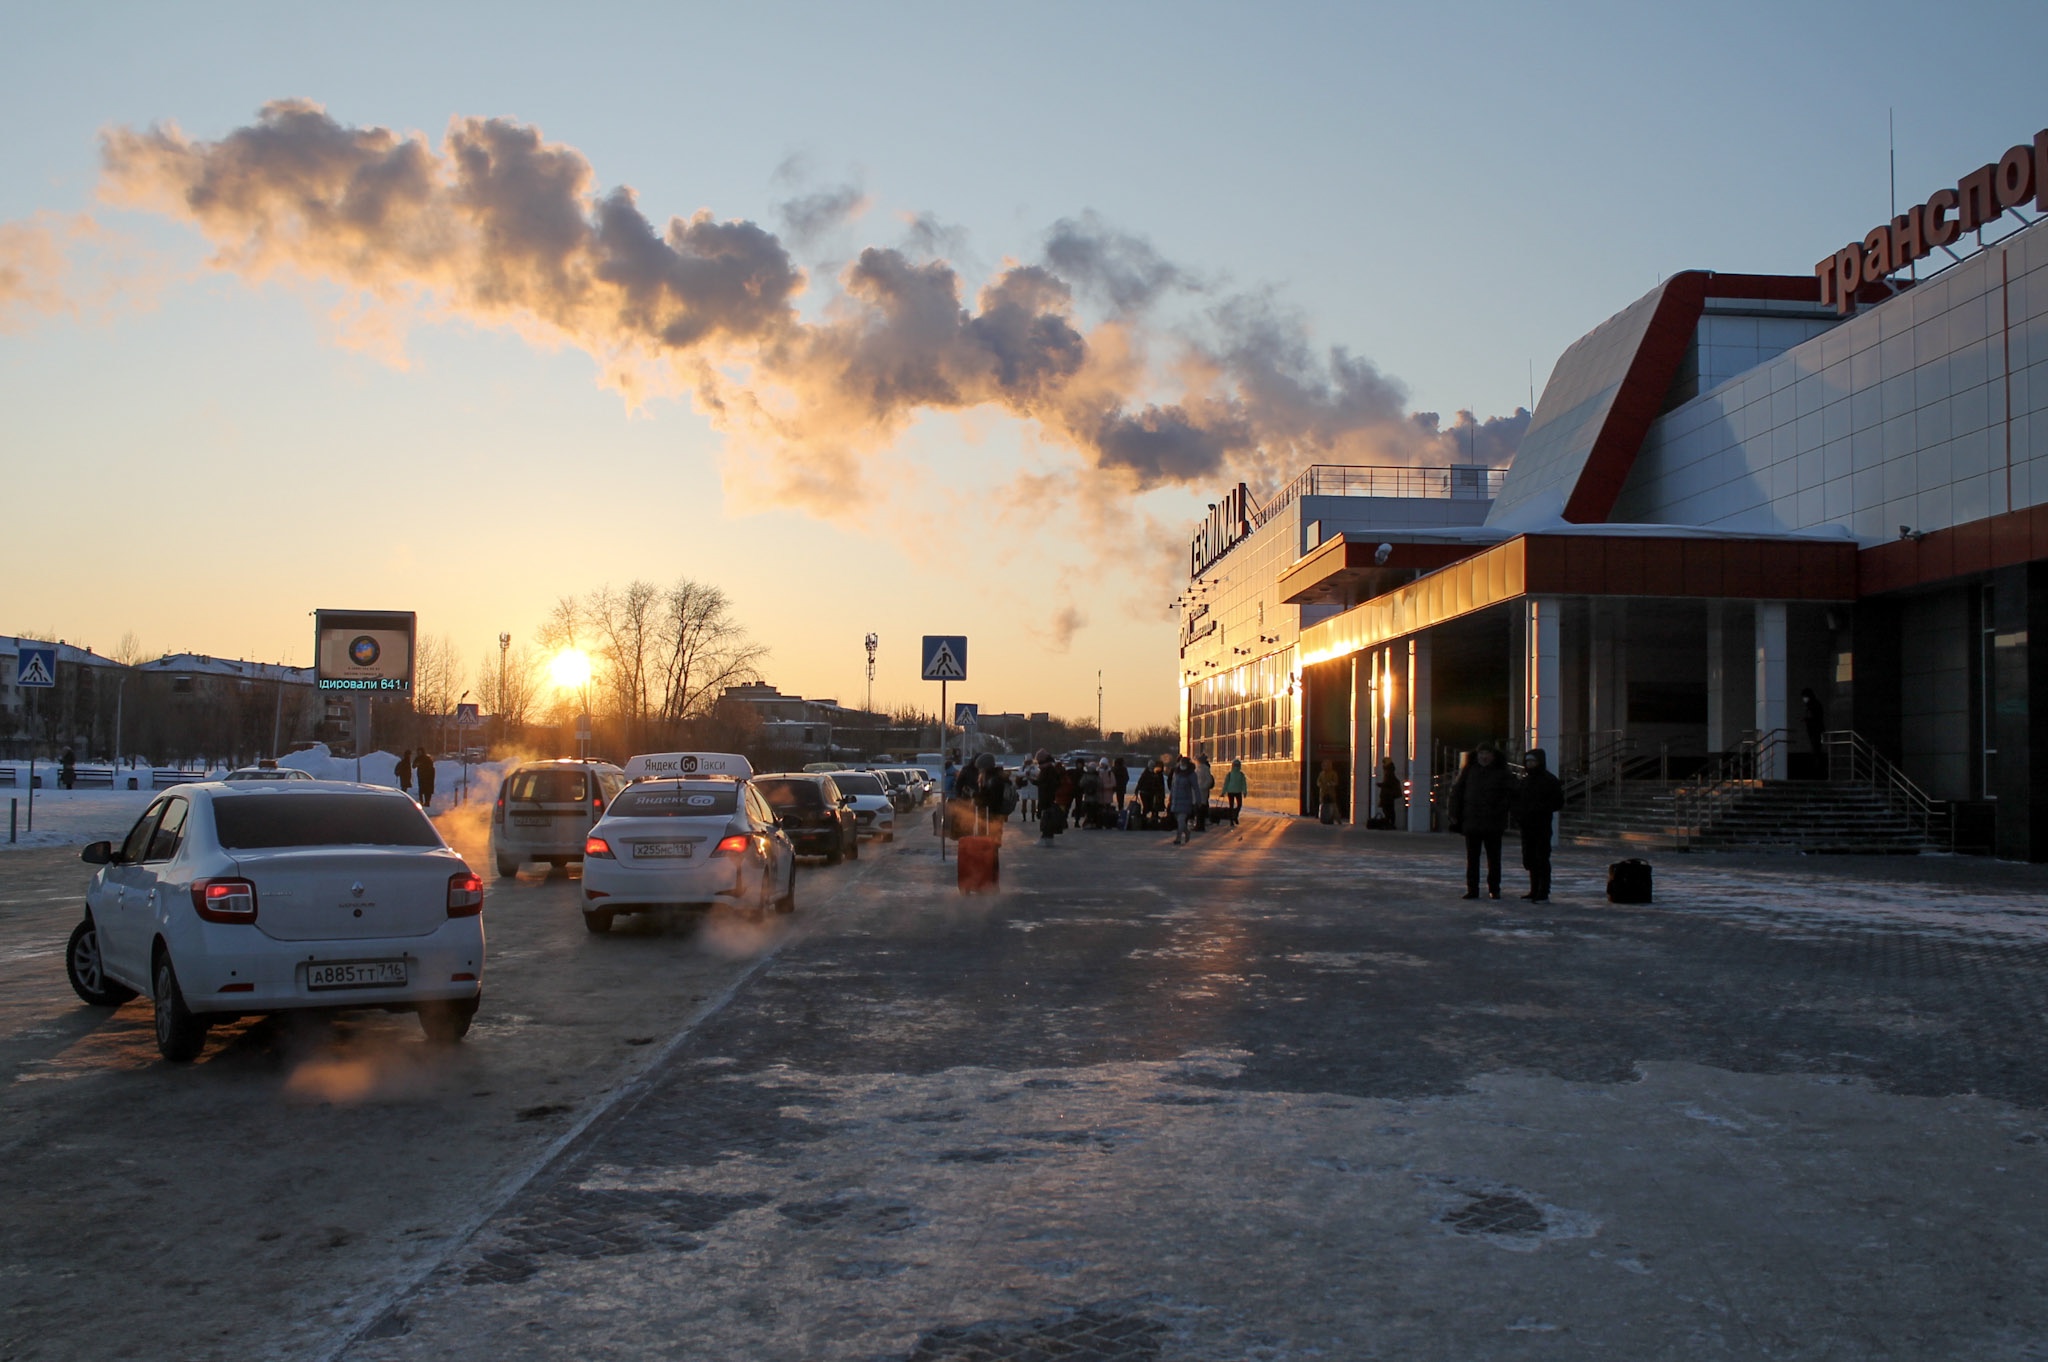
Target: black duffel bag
(1628, 881)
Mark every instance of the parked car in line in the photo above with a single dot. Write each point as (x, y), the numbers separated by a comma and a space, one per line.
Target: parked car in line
(267, 771)
(874, 815)
(810, 808)
(901, 796)
(545, 811)
(687, 844)
(226, 900)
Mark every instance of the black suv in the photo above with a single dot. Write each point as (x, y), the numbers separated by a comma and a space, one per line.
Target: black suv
(817, 817)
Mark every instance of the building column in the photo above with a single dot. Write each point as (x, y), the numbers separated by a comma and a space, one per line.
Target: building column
(1542, 703)
(1717, 676)
(1772, 701)
(1361, 738)
(1419, 736)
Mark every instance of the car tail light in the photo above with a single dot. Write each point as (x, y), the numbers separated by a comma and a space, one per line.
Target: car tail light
(597, 804)
(733, 845)
(224, 900)
(498, 816)
(598, 847)
(465, 894)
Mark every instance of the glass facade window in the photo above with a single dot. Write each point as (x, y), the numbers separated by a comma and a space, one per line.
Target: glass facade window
(1246, 713)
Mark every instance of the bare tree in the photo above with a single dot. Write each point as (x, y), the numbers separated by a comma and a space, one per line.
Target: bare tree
(624, 629)
(702, 650)
(130, 650)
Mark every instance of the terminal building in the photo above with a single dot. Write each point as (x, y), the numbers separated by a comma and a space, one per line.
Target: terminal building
(1762, 531)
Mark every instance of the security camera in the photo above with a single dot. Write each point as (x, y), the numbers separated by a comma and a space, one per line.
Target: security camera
(1382, 554)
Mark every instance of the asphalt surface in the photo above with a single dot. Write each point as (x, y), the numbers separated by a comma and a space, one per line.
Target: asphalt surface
(265, 1201)
(1282, 1094)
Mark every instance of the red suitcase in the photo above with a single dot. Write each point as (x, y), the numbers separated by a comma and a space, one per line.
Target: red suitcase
(980, 864)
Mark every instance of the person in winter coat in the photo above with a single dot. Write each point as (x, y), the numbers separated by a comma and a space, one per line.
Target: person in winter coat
(1390, 790)
(404, 770)
(423, 772)
(1328, 785)
(1205, 787)
(1815, 719)
(1151, 792)
(1120, 781)
(992, 794)
(1537, 798)
(1089, 814)
(1182, 789)
(67, 770)
(1027, 790)
(1051, 817)
(1235, 787)
(1481, 799)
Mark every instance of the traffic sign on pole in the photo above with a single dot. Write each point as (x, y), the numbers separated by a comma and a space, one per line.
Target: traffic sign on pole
(945, 657)
(35, 667)
(967, 715)
(468, 716)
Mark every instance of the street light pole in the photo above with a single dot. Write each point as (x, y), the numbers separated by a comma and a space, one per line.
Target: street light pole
(872, 641)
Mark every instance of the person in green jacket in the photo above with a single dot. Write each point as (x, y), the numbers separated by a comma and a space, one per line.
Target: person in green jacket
(1234, 787)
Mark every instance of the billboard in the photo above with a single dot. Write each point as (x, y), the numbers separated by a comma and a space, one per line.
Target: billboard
(363, 650)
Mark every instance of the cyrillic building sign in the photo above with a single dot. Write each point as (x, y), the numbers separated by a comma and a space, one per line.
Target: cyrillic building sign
(1228, 522)
(1980, 197)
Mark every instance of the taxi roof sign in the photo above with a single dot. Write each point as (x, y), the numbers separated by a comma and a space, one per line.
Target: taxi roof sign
(651, 765)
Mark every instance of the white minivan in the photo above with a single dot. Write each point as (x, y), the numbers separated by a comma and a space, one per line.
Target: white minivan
(227, 900)
(545, 811)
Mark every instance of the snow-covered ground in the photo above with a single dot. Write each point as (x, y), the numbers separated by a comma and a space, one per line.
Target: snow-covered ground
(75, 817)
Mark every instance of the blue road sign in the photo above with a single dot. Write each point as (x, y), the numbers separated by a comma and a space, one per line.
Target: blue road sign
(36, 667)
(468, 716)
(966, 715)
(945, 657)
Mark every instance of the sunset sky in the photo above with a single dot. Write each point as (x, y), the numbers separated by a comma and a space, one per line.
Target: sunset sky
(218, 413)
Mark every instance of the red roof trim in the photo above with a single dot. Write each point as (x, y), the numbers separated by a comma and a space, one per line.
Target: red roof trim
(1640, 399)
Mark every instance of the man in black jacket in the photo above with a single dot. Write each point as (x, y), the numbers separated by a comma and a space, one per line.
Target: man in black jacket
(1480, 800)
(1537, 798)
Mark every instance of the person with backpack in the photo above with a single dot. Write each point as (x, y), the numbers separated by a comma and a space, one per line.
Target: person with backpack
(423, 772)
(994, 797)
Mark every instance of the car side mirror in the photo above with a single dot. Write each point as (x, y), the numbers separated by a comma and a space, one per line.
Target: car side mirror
(97, 853)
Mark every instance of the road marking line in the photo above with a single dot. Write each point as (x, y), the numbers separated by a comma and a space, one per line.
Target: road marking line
(633, 1088)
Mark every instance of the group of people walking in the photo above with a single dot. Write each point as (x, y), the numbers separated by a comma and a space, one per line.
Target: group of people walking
(416, 769)
(1171, 793)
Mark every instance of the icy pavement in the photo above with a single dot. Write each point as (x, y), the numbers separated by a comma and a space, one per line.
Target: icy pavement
(1283, 1095)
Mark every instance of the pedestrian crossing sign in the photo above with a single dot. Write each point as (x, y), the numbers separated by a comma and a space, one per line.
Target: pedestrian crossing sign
(945, 657)
(35, 667)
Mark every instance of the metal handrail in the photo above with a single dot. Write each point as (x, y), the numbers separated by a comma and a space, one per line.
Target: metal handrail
(1695, 807)
(1853, 760)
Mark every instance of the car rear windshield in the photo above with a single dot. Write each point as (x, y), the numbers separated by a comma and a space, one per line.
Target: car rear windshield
(852, 782)
(254, 822)
(792, 794)
(552, 785)
(672, 801)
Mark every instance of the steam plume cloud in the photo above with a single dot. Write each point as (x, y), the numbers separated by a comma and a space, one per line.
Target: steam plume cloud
(501, 226)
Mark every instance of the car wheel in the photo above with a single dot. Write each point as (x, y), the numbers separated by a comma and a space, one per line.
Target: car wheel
(88, 974)
(508, 867)
(836, 854)
(445, 1023)
(180, 1035)
(787, 903)
(598, 923)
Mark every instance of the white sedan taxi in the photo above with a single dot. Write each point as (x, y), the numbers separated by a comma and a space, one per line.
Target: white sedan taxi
(227, 900)
(698, 842)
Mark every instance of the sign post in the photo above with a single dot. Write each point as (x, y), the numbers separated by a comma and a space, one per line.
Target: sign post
(34, 669)
(945, 659)
(468, 718)
(365, 653)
